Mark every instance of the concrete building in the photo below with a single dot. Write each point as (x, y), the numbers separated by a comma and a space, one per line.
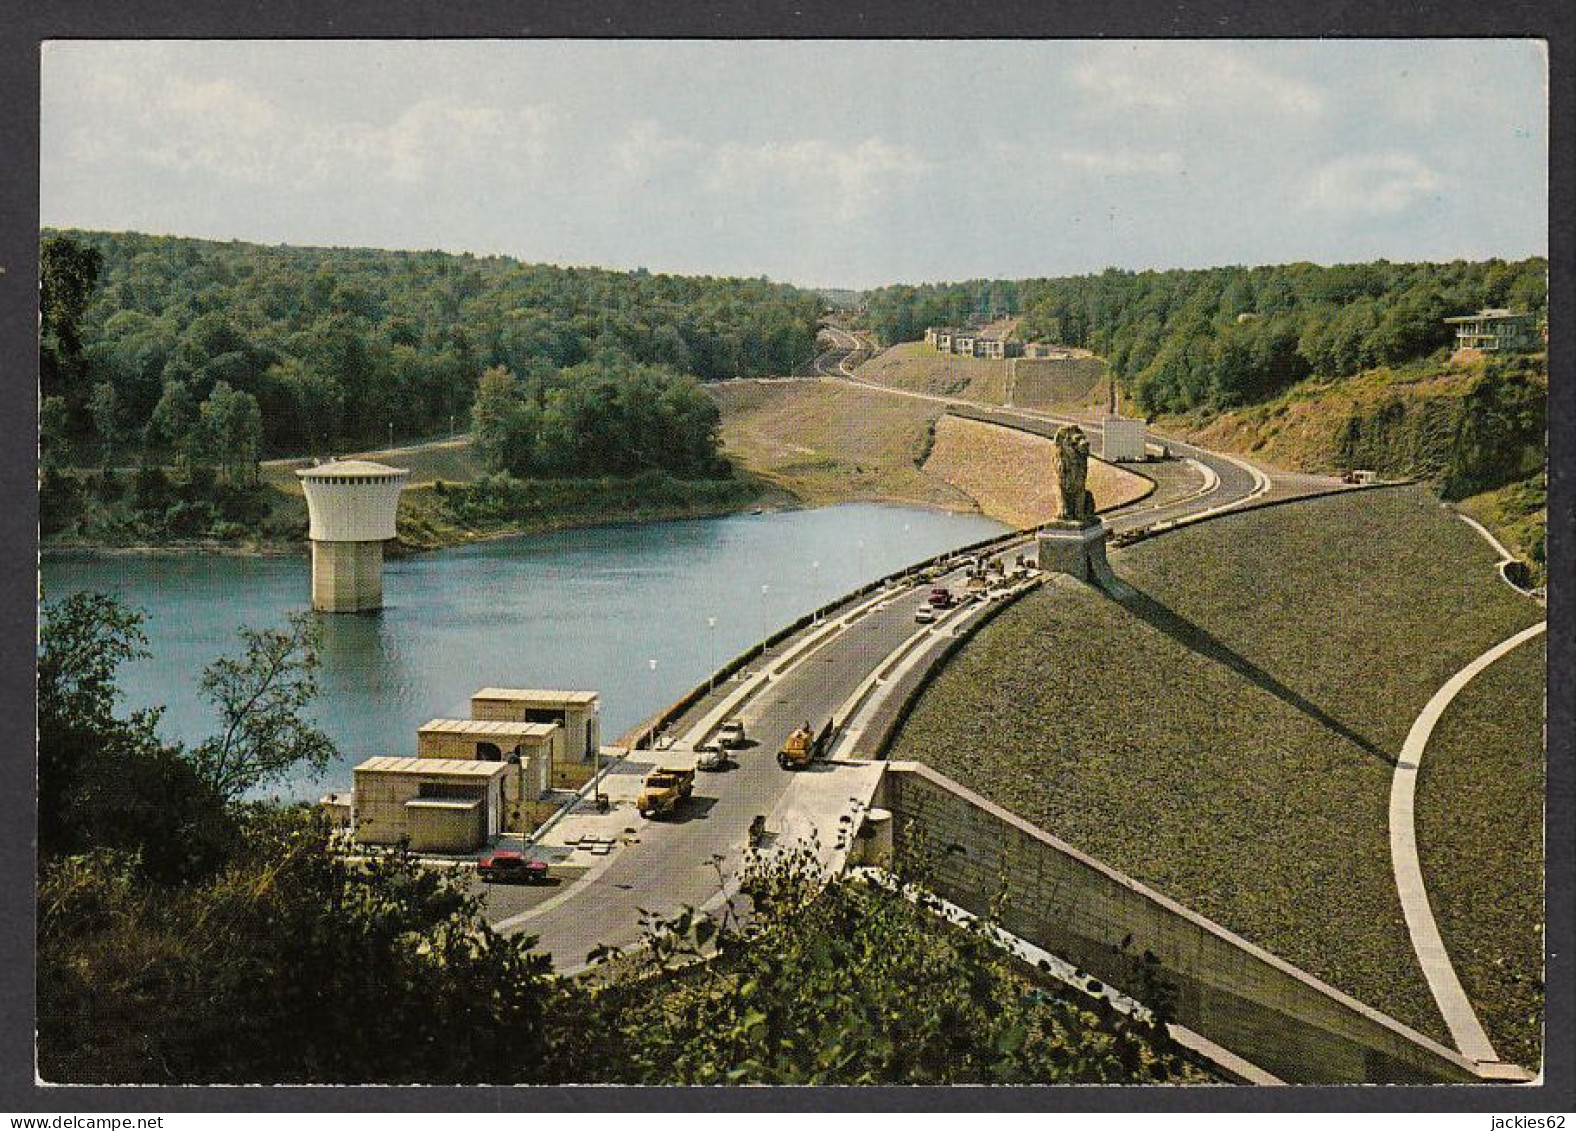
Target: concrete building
(963, 343)
(437, 804)
(351, 505)
(1042, 350)
(1123, 438)
(530, 750)
(1494, 330)
(577, 712)
(943, 340)
(999, 348)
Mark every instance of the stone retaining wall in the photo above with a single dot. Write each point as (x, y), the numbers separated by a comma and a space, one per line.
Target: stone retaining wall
(1223, 987)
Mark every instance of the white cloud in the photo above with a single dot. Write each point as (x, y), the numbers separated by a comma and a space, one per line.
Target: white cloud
(129, 115)
(1090, 162)
(1383, 184)
(646, 149)
(848, 180)
(1193, 77)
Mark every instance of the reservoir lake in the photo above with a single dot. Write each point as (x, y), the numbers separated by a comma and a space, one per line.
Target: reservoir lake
(584, 609)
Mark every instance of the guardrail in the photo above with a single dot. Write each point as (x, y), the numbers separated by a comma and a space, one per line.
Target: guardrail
(644, 735)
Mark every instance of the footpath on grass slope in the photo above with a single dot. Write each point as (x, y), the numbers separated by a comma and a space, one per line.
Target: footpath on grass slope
(1465, 1028)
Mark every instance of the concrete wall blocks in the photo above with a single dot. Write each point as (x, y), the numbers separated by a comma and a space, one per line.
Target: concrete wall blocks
(1223, 987)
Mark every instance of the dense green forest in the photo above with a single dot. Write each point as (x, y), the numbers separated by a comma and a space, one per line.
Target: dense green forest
(171, 366)
(1228, 336)
(187, 936)
(337, 346)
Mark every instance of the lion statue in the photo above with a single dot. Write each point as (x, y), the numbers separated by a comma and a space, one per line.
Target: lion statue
(1072, 474)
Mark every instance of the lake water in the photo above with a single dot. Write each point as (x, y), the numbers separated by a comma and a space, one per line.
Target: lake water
(586, 608)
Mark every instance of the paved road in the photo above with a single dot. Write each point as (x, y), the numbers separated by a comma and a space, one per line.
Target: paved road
(670, 864)
(674, 862)
(1238, 481)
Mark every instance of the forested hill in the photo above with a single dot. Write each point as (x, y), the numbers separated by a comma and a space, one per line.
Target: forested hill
(1227, 336)
(336, 344)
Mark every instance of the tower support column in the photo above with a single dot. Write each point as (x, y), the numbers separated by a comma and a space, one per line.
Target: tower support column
(347, 577)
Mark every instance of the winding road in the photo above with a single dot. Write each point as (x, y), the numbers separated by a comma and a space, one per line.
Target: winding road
(813, 675)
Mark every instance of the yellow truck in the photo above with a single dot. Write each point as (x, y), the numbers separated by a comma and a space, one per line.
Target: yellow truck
(804, 746)
(664, 789)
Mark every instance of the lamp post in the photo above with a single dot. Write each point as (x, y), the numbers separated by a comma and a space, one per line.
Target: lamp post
(765, 620)
(711, 652)
(598, 797)
(653, 743)
(815, 587)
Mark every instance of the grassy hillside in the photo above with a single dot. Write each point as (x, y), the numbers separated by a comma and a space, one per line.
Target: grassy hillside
(1228, 735)
(1518, 514)
(829, 443)
(1413, 421)
(1484, 860)
(914, 365)
(1060, 383)
(1063, 383)
(1475, 430)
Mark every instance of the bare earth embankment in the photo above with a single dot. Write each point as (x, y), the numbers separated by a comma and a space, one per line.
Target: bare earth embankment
(1228, 736)
(1074, 384)
(1009, 472)
(920, 368)
(829, 443)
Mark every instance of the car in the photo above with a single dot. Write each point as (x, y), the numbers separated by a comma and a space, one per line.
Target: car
(711, 757)
(509, 867)
(925, 615)
(731, 734)
(940, 598)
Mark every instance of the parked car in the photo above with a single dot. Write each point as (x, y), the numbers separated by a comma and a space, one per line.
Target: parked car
(731, 734)
(509, 867)
(925, 615)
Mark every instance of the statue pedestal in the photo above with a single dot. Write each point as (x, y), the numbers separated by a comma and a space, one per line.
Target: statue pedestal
(1076, 549)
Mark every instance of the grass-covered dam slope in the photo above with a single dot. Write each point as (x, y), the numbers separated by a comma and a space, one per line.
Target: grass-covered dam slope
(1480, 839)
(1228, 735)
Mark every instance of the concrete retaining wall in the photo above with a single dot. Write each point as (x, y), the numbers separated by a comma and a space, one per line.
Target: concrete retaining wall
(1223, 987)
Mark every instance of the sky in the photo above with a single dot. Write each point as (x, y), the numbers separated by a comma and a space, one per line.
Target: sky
(851, 164)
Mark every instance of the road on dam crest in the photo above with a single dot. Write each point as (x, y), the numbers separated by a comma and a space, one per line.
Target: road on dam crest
(613, 866)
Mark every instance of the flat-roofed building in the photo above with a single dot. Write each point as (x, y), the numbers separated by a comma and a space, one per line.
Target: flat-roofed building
(436, 804)
(943, 340)
(1122, 438)
(999, 348)
(577, 712)
(963, 343)
(529, 749)
(1494, 330)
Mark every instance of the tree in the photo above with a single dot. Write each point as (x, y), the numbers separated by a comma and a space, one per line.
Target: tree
(816, 985)
(174, 419)
(295, 965)
(68, 272)
(104, 407)
(260, 697)
(106, 782)
(54, 446)
(503, 423)
(231, 428)
(82, 641)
